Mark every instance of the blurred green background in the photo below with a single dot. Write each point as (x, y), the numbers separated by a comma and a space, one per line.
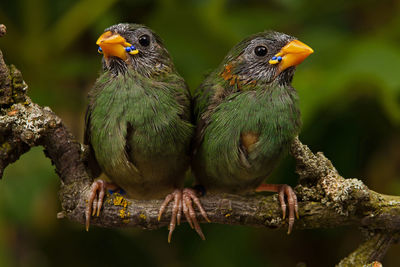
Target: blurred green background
(350, 102)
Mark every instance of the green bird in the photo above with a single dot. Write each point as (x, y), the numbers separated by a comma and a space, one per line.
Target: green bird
(138, 124)
(247, 115)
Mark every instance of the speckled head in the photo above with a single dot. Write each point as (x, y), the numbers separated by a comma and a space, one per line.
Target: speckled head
(133, 45)
(266, 57)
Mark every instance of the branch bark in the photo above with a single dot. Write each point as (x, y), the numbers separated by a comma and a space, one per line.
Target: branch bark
(326, 199)
(371, 250)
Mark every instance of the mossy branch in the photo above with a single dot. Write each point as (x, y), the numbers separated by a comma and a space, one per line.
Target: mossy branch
(326, 199)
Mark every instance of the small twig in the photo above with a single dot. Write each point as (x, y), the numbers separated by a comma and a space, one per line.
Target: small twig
(371, 250)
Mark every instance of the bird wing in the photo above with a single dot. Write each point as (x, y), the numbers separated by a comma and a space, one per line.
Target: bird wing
(207, 97)
(92, 163)
(183, 98)
(128, 148)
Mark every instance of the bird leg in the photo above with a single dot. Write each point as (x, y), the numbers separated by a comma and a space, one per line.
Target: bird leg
(282, 190)
(176, 210)
(96, 197)
(183, 202)
(188, 196)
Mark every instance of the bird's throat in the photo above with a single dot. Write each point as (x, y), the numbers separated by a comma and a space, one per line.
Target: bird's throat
(115, 65)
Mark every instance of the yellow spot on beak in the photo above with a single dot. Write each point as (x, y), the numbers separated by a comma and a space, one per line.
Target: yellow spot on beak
(134, 52)
(292, 54)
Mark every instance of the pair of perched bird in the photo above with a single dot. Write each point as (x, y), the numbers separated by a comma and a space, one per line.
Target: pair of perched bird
(144, 130)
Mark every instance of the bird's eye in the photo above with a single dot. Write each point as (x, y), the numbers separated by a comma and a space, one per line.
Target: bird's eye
(260, 50)
(144, 40)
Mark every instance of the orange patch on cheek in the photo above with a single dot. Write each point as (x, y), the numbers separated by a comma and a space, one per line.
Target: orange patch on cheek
(248, 139)
(233, 80)
(226, 74)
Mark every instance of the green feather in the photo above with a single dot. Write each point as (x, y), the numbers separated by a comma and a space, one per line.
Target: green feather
(233, 100)
(272, 112)
(140, 131)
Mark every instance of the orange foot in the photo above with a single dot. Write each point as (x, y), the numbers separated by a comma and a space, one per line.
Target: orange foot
(183, 202)
(96, 197)
(282, 190)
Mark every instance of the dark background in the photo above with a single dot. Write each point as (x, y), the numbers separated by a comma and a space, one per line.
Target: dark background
(350, 101)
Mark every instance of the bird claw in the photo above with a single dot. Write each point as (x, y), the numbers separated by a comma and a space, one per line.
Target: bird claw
(95, 201)
(96, 197)
(183, 201)
(188, 196)
(284, 190)
(293, 206)
(176, 210)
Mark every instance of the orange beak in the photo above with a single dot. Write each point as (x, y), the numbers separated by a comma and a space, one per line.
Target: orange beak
(113, 44)
(291, 54)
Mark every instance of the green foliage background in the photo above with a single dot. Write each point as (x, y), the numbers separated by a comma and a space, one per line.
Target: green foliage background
(350, 102)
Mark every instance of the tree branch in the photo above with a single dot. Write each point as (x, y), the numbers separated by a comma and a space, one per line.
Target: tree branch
(371, 250)
(326, 199)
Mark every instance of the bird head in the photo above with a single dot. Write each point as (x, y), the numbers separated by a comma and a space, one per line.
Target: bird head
(132, 45)
(265, 57)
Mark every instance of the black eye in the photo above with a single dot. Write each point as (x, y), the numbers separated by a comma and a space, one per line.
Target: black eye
(260, 51)
(144, 40)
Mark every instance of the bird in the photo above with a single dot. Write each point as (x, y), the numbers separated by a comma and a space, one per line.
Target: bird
(138, 127)
(247, 114)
